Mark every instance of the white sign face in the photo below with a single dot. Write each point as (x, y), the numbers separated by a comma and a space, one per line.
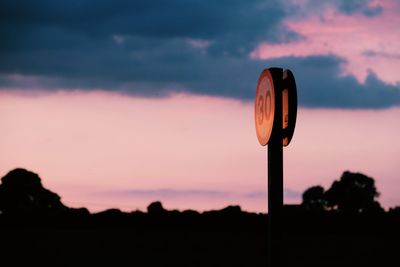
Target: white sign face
(264, 107)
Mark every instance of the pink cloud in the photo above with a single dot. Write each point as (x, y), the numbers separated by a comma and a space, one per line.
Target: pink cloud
(366, 43)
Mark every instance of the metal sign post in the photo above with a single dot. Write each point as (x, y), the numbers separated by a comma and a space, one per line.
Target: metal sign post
(275, 119)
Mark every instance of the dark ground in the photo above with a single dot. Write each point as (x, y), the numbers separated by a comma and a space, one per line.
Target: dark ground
(225, 238)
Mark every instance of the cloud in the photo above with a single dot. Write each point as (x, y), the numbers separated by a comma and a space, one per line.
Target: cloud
(348, 7)
(173, 193)
(199, 193)
(153, 48)
(288, 193)
(377, 54)
(227, 23)
(321, 83)
(364, 6)
(347, 35)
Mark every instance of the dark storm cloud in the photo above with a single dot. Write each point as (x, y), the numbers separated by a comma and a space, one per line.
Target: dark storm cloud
(321, 84)
(227, 23)
(153, 47)
(132, 44)
(363, 6)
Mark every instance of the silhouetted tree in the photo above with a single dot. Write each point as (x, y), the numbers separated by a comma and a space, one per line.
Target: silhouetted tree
(156, 208)
(353, 193)
(21, 192)
(314, 199)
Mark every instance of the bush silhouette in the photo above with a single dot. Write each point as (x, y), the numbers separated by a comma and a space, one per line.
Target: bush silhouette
(353, 193)
(156, 208)
(22, 192)
(314, 199)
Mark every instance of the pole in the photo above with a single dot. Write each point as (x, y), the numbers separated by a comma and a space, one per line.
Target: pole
(275, 181)
(275, 202)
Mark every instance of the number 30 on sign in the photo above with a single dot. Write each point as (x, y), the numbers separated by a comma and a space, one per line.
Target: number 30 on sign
(265, 106)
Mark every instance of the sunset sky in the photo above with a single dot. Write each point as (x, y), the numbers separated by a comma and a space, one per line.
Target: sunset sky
(116, 104)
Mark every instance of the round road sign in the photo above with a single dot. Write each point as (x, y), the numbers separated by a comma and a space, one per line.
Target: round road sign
(264, 110)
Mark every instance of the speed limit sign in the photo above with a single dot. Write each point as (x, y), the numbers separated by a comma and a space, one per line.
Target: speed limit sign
(273, 85)
(264, 107)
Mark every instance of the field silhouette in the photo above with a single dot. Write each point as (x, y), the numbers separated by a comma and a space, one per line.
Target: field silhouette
(342, 226)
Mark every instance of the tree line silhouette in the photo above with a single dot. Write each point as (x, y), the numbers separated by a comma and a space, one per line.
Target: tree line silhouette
(344, 225)
(21, 192)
